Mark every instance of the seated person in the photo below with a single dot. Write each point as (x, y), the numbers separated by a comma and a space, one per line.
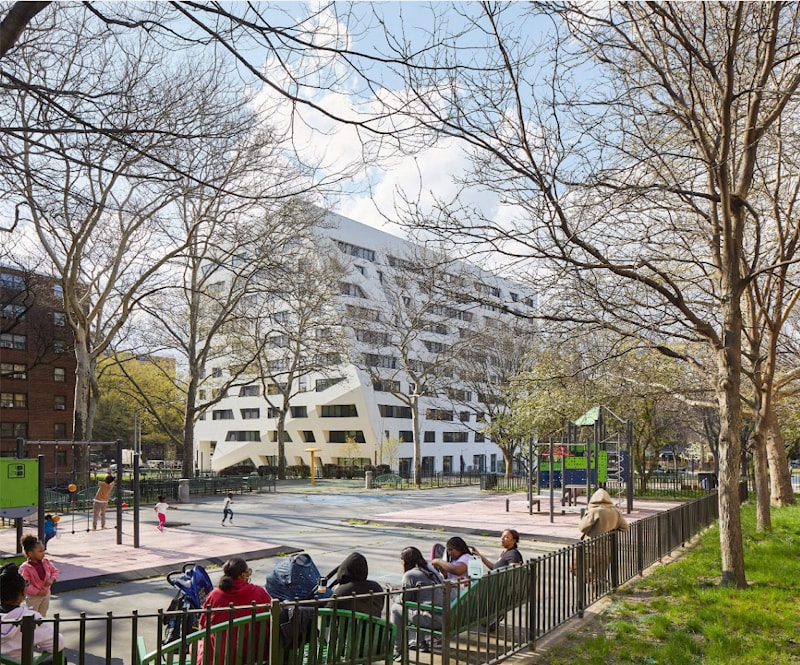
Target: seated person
(511, 556)
(351, 578)
(234, 591)
(456, 565)
(12, 607)
(417, 574)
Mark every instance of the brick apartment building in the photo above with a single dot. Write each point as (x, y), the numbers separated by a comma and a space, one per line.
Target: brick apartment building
(37, 369)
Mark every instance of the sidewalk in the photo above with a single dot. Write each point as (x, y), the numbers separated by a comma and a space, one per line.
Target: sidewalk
(94, 558)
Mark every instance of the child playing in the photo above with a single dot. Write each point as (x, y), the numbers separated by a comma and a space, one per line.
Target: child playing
(39, 573)
(227, 512)
(50, 529)
(161, 509)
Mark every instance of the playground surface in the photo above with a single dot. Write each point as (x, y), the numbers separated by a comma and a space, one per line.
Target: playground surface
(88, 559)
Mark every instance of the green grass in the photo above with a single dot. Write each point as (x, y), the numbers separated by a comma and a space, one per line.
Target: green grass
(680, 614)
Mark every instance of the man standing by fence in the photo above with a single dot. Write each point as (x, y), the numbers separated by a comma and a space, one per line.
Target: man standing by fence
(601, 517)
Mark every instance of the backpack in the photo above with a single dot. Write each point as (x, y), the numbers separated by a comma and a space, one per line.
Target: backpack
(293, 578)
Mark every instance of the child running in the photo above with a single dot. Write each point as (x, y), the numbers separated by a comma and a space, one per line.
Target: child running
(227, 511)
(39, 573)
(161, 510)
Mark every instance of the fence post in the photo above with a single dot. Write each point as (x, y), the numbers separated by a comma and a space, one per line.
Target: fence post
(580, 577)
(614, 559)
(533, 604)
(28, 627)
(640, 547)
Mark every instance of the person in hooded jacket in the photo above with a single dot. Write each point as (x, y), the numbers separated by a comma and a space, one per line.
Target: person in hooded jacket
(601, 517)
(12, 608)
(351, 578)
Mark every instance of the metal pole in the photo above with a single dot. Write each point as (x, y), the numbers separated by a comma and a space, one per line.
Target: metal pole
(120, 470)
(530, 475)
(629, 483)
(41, 497)
(136, 499)
(552, 488)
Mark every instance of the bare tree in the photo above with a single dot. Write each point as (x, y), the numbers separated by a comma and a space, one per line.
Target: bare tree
(105, 215)
(297, 329)
(414, 334)
(496, 357)
(634, 164)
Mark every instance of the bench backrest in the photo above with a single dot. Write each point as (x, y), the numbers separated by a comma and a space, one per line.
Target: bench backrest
(487, 599)
(339, 637)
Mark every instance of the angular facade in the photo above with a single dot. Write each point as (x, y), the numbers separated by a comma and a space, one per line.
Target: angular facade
(37, 369)
(357, 411)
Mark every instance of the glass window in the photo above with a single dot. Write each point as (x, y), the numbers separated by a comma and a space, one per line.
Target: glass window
(250, 414)
(11, 341)
(299, 411)
(243, 435)
(60, 402)
(13, 371)
(14, 400)
(430, 437)
(13, 430)
(222, 414)
(60, 432)
(59, 318)
(249, 391)
(12, 312)
(341, 436)
(339, 411)
(11, 281)
(59, 374)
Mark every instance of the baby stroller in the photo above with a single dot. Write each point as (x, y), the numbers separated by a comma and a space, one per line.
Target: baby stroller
(193, 585)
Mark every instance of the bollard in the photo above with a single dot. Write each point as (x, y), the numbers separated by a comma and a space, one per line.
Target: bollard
(507, 502)
(183, 490)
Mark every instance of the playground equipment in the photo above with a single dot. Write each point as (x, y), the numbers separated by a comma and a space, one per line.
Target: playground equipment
(40, 500)
(587, 457)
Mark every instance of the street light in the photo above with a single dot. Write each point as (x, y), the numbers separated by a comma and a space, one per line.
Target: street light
(312, 451)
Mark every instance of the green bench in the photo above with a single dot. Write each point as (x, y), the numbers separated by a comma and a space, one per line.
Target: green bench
(337, 637)
(482, 602)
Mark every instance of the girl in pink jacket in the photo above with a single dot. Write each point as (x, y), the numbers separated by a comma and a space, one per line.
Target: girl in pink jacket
(39, 573)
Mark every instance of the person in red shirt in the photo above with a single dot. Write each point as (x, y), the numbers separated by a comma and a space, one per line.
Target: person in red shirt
(234, 597)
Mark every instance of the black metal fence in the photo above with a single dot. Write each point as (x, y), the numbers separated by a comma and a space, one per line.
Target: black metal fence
(487, 621)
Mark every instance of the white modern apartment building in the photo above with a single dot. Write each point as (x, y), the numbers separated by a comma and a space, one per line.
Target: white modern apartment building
(355, 405)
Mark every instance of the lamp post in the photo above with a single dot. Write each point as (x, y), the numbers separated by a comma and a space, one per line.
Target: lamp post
(312, 451)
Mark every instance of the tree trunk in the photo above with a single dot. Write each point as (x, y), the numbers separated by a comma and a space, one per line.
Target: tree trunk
(763, 517)
(509, 462)
(187, 467)
(417, 445)
(282, 445)
(782, 493)
(82, 415)
(729, 368)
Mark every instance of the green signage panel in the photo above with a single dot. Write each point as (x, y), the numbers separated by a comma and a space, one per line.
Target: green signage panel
(19, 482)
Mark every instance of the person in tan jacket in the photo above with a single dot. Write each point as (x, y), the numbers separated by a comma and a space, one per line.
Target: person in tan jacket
(601, 517)
(101, 502)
